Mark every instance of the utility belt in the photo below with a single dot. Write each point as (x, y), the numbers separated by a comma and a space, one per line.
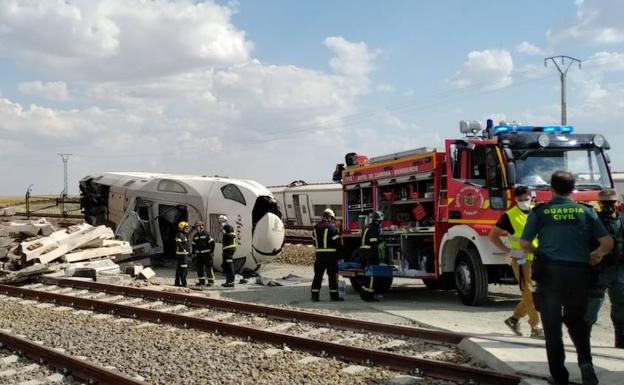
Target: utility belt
(541, 263)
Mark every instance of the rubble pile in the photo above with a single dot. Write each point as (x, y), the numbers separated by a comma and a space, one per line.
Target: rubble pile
(35, 247)
(302, 255)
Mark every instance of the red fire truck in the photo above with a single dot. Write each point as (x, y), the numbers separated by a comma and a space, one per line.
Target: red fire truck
(439, 206)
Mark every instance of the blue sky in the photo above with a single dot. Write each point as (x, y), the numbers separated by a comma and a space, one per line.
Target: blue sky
(281, 90)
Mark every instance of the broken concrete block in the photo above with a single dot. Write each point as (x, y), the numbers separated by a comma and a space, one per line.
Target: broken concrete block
(30, 228)
(101, 266)
(61, 242)
(25, 273)
(133, 270)
(118, 248)
(117, 279)
(7, 211)
(147, 273)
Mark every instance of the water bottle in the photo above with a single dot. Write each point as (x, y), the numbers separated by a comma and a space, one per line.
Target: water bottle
(423, 264)
(342, 289)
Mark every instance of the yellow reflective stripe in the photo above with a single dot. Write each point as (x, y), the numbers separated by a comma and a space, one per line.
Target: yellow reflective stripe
(182, 252)
(370, 286)
(230, 247)
(324, 250)
(325, 233)
(200, 277)
(365, 247)
(372, 239)
(229, 260)
(336, 237)
(363, 244)
(204, 251)
(183, 265)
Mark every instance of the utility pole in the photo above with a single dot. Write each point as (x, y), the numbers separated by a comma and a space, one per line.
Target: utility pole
(65, 158)
(563, 71)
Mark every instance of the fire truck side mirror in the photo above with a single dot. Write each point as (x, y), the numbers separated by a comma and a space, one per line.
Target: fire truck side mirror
(511, 173)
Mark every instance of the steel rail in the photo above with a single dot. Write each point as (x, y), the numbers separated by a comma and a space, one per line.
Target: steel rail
(428, 367)
(81, 369)
(268, 311)
(298, 239)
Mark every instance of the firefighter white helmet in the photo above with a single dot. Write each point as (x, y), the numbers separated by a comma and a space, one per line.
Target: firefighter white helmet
(222, 219)
(329, 213)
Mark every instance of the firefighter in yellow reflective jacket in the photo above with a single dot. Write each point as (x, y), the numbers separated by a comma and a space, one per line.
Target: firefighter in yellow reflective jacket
(512, 223)
(327, 244)
(203, 252)
(229, 248)
(369, 253)
(183, 252)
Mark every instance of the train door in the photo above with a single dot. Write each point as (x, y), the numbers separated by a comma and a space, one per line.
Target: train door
(302, 211)
(168, 218)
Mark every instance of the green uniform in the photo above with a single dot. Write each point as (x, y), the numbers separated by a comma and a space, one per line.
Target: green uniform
(561, 268)
(565, 230)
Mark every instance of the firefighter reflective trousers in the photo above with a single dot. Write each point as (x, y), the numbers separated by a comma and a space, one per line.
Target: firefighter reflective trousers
(180, 275)
(204, 269)
(612, 279)
(525, 306)
(325, 261)
(561, 297)
(228, 265)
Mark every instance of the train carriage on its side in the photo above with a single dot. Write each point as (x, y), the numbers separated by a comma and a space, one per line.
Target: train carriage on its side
(145, 209)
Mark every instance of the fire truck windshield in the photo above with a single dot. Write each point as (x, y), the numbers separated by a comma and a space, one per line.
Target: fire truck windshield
(535, 167)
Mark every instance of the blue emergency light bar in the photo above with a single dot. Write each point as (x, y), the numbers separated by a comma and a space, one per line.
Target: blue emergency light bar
(506, 129)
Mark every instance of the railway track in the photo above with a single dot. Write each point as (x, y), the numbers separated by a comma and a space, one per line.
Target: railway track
(24, 362)
(401, 348)
(298, 240)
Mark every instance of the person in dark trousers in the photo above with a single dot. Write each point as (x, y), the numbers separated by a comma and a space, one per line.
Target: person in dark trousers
(203, 252)
(609, 273)
(327, 246)
(369, 254)
(511, 224)
(562, 271)
(183, 252)
(229, 248)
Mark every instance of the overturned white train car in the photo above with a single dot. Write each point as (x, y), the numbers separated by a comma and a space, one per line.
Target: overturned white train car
(145, 209)
(303, 204)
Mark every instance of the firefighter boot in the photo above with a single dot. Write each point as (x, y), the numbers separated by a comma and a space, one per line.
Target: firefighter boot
(201, 282)
(315, 296)
(210, 283)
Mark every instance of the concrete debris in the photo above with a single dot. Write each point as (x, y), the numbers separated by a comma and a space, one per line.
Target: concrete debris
(7, 211)
(147, 273)
(29, 228)
(31, 248)
(133, 270)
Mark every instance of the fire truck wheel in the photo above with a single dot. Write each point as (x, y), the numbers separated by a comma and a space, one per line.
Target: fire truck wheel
(381, 284)
(471, 278)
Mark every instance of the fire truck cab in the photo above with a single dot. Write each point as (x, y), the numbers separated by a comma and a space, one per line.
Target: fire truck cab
(439, 206)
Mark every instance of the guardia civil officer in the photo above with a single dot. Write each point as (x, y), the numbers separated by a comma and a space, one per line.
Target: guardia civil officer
(183, 252)
(229, 248)
(369, 253)
(203, 252)
(610, 271)
(327, 248)
(562, 271)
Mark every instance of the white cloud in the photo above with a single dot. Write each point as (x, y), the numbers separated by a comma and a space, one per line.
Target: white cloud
(529, 49)
(597, 22)
(606, 61)
(384, 87)
(352, 60)
(488, 69)
(119, 39)
(49, 90)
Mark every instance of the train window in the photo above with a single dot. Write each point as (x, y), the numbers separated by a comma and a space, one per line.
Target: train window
(166, 185)
(232, 192)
